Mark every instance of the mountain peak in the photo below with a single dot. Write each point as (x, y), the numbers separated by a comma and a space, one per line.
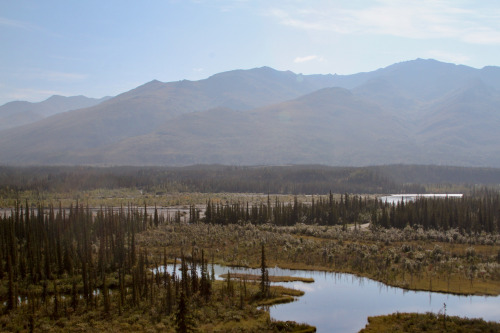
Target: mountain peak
(266, 68)
(420, 62)
(55, 97)
(407, 112)
(235, 72)
(148, 86)
(152, 83)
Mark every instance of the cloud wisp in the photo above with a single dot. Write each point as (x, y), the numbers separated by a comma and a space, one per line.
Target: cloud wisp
(17, 24)
(299, 60)
(417, 19)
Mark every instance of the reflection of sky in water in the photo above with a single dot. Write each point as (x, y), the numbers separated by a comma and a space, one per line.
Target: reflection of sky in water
(395, 198)
(342, 302)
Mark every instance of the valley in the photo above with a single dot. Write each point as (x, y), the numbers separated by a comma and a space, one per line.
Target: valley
(304, 237)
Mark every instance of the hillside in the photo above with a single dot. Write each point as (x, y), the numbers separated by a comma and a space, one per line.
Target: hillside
(20, 113)
(415, 112)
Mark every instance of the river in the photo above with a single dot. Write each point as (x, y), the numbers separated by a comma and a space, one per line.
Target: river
(338, 302)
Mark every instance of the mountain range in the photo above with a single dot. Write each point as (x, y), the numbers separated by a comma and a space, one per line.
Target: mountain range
(20, 113)
(414, 112)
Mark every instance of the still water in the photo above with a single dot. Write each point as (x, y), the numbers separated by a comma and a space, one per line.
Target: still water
(395, 198)
(338, 302)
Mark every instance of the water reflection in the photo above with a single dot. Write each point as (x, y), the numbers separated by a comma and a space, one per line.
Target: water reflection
(342, 302)
(338, 302)
(395, 198)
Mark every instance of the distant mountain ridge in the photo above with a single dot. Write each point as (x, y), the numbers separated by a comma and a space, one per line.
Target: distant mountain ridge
(414, 112)
(20, 113)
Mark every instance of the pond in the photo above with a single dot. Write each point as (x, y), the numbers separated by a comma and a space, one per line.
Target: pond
(338, 302)
(395, 198)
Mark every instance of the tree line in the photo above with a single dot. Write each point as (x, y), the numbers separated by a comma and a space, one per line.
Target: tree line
(66, 261)
(471, 214)
(59, 262)
(298, 179)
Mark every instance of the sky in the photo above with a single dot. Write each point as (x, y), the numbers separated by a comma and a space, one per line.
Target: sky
(103, 48)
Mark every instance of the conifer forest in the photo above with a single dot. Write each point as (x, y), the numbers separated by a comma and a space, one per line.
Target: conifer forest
(138, 253)
(237, 166)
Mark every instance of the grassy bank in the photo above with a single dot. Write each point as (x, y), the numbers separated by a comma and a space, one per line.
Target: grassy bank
(252, 277)
(429, 322)
(227, 311)
(411, 259)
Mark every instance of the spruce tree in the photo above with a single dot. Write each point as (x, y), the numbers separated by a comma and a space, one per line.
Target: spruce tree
(11, 304)
(181, 321)
(105, 295)
(55, 313)
(264, 275)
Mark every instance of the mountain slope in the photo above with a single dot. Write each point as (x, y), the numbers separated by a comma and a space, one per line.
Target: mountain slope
(409, 86)
(309, 129)
(421, 111)
(143, 110)
(19, 113)
(465, 123)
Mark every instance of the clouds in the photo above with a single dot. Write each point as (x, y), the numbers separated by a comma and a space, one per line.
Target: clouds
(417, 19)
(5, 22)
(107, 48)
(299, 60)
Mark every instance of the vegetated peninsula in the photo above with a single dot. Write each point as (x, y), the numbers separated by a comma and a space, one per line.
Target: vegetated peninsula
(414, 112)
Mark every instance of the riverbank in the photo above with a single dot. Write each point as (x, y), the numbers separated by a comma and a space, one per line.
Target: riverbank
(253, 277)
(429, 322)
(409, 259)
(233, 309)
(338, 302)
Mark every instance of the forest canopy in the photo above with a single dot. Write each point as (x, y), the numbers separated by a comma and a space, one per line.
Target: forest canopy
(295, 179)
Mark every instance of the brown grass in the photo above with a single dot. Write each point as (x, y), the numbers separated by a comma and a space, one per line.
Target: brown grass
(272, 278)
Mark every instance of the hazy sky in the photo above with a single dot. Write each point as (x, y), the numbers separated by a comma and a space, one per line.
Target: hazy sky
(99, 48)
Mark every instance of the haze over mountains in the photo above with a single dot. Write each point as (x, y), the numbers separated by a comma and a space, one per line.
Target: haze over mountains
(19, 113)
(415, 112)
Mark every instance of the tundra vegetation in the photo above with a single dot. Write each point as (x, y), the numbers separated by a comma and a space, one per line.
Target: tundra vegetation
(428, 322)
(79, 271)
(443, 255)
(86, 260)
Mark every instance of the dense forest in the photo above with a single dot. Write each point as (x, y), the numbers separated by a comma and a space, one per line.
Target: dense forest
(59, 253)
(58, 266)
(64, 264)
(79, 265)
(305, 179)
(476, 213)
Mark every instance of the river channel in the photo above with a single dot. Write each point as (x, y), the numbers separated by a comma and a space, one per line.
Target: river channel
(338, 302)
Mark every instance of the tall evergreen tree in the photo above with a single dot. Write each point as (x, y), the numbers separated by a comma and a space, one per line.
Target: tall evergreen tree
(181, 320)
(264, 277)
